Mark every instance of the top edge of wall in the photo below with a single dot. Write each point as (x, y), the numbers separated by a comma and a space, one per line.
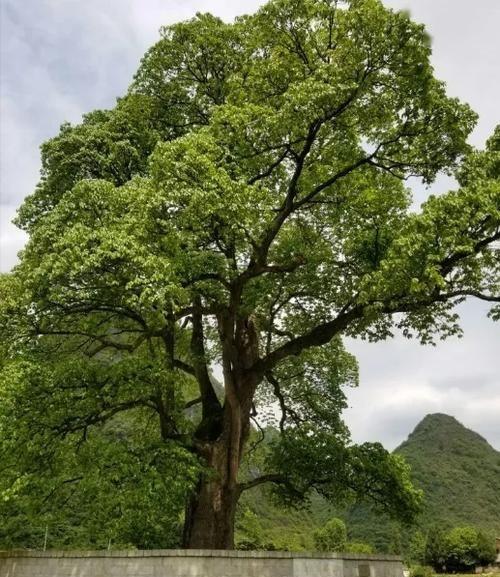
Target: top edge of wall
(198, 553)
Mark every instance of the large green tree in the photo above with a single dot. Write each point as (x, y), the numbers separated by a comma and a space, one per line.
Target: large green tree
(239, 210)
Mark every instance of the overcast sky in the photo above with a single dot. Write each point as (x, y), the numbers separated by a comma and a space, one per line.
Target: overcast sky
(61, 58)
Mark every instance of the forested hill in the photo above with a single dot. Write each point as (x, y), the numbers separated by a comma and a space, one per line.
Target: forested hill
(459, 473)
(457, 469)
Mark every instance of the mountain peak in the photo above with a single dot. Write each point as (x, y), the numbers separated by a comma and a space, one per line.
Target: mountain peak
(458, 471)
(440, 417)
(439, 420)
(445, 432)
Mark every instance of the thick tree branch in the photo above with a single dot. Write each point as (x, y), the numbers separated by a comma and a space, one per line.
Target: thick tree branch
(193, 403)
(82, 423)
(471, 293)
(447, 264)
(210, 402)
(97, 307)
(281, 399)
(178, 364)
(204, 277)
(288, 207)
(271, 167)
(317, 336)
(269, 478)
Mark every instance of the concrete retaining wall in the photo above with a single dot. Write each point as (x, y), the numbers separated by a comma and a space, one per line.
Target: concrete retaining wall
(190, 563)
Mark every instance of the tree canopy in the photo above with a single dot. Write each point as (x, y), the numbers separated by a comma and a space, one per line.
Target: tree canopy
(240, 209)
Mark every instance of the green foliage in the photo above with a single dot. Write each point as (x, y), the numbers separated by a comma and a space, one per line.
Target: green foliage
(113, 145)
(283, 528)
(242, 206)
(251, 536)
(263, 523)
(421, 571)
(395, 543)
(417, 546)
(436, 548)
(359, 547)
(332, 536)
(459, 549)
(341, 472)
(485, 548)
(116, 483)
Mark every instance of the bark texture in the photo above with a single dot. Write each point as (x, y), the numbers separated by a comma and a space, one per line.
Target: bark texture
(210, 514)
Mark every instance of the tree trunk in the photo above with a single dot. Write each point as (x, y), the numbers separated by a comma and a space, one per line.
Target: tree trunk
(210, 514)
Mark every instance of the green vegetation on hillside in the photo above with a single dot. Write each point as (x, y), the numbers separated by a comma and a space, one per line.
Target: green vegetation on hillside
(458, 471)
